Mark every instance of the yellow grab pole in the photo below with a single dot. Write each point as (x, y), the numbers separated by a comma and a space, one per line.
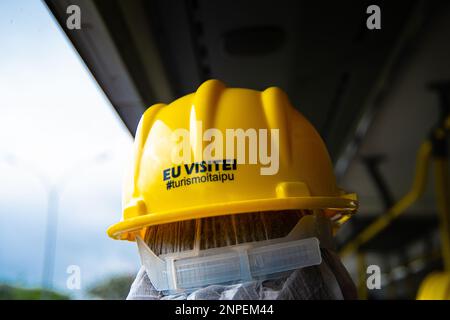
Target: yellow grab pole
(362, 285)
(442, 196)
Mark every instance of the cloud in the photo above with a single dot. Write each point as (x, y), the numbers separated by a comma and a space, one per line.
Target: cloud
(55, 121)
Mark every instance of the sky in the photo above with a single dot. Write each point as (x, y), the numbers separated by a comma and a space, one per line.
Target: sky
(57, 128)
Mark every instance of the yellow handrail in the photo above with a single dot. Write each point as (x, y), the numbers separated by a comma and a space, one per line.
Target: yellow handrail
(436, 286)
(417, 189)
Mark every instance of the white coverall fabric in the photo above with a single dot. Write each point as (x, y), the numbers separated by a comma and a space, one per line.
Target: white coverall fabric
(328, 281)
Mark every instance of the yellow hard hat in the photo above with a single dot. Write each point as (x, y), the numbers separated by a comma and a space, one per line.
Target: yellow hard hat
(161, 190)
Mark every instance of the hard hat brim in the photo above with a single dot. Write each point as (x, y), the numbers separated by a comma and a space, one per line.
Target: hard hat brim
(125, 230)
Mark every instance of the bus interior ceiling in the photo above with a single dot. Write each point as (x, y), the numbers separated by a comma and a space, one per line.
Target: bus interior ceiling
(365, 90)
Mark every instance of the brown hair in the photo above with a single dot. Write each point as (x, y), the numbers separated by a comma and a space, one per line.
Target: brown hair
(221, 231)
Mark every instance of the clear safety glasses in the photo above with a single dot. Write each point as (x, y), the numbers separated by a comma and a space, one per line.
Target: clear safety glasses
(188, 270)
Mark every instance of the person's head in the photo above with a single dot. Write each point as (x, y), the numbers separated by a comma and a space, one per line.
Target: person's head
(221, 231)
(228, 175)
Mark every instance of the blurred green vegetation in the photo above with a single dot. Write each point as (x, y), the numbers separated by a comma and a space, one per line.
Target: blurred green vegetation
(8, 292)
(114, 288)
